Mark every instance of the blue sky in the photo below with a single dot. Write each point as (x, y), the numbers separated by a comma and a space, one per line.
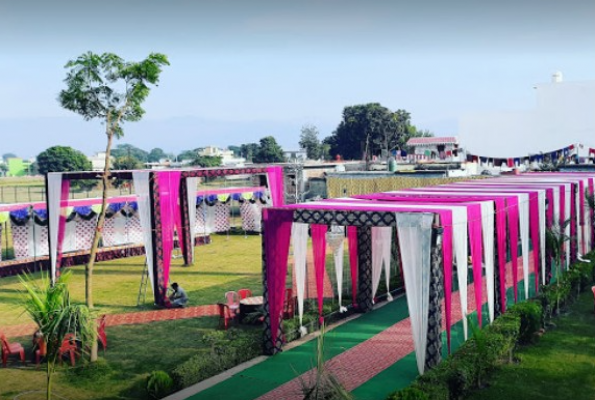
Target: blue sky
(241, 70)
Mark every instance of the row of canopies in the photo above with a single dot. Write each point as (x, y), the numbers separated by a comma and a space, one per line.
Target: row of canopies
(471, 225)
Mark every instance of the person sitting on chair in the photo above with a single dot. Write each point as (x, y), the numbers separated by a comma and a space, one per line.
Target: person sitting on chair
(178, 298)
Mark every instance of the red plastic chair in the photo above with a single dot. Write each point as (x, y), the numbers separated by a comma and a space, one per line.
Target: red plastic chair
(289, 305)
(10, 349)
(41, 348)
(593, 290)
(243, 293)
(101, 336)
(225, 316)
(233, 302)
(70, 348)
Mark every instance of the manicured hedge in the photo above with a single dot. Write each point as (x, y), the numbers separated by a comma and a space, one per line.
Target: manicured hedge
(227, 349)
(467, 369)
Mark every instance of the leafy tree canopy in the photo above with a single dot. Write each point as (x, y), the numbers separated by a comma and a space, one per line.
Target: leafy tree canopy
(248, 150)
(126, 163)
(367, 129)
(156, 154)
(207, 161)
(62, 159)
(268, 151)
(310, 142)
(188, 155)
(128, 150)
(237, 150)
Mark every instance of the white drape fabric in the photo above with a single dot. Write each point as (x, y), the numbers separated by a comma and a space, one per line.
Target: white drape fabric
(524, 225)
(336, 241)
(141, 188)
(54, 194)
(567, 193)
(381, 244)
(414, 230)
(487, 227)
(542, 196)
(191, 185)
(299, 237)
(460, 244)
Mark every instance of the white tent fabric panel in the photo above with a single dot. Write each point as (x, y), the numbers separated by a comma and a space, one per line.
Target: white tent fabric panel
(381, 244)
(299, 236)
(487, 226)
(336, 241)
(54, 184)
(191, 185)
(415, 231)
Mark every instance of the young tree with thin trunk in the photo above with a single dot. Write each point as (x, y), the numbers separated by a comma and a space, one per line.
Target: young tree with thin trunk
(107, 88)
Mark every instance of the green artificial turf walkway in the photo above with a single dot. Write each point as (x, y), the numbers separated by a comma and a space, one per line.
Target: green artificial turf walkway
(288, 365)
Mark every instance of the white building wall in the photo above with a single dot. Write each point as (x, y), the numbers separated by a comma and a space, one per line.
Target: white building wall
(563, 115)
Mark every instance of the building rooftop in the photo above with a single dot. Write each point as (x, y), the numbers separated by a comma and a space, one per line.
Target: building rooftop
(426, 141)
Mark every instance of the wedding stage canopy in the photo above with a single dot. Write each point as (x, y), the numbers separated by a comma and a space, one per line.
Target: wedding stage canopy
(440, 232)
(169, 202)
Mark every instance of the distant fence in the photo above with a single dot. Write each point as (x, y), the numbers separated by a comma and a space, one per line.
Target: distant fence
(29, 194)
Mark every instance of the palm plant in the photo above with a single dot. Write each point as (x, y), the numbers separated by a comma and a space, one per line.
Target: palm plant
(50, 308)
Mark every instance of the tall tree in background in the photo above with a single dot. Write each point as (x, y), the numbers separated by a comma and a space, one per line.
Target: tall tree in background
(268, 151)
(310, 142)
(6, 156)
(128, 150)
(237, 151)
(248, 151)
(107, 88)
(367, 129)
(62, 159)
(156, 154)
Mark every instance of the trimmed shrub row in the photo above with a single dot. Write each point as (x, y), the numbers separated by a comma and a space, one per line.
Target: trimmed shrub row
(468, 368)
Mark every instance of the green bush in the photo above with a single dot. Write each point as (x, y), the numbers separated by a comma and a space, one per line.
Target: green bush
(530, 313)
(227, 349)
(410, 393)
(159, 384)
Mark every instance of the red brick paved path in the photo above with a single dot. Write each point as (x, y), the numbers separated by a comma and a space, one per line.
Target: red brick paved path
(140, 317)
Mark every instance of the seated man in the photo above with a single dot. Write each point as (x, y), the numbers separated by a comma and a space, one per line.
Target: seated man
(178, 298)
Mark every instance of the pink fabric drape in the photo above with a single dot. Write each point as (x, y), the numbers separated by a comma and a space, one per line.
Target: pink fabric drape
(169, 193)
(277, 233)
(353, 261)
(64, 190)
(275, 175)
(581, 190)
(319, 249)
(592, 212)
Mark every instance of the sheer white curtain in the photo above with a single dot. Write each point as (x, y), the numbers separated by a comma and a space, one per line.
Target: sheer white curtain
(542, 196)
(54, 194)
(487, 227)
(299, 238)
(460, 244)
(414, 230)
(381, 244)
(141, 188)
(191, 184)
(336, 241)
(524, 224)
(567, 193)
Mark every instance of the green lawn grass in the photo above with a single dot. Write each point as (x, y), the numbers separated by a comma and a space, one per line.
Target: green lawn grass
(133, 352)
(228, 263)
(560, 366)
